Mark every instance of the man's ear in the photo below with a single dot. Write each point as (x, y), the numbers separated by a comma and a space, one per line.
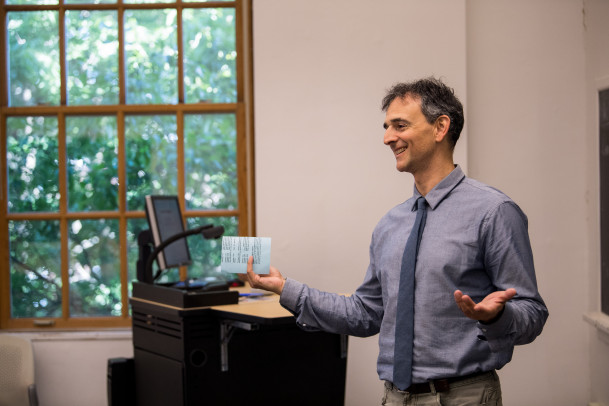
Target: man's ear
(442, 125)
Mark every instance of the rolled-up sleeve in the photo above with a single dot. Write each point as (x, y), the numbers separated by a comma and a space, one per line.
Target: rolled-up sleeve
(316, 310)
(509, 262)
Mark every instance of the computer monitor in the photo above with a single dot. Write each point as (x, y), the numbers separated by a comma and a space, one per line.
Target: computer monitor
(165, 220)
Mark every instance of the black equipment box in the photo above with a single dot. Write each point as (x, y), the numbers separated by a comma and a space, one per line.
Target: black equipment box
(121, 382)
(184, 298)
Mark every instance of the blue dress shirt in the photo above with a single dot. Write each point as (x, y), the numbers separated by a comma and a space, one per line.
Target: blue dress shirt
(475, 240)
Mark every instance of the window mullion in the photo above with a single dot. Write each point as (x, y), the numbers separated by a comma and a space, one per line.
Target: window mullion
(63, 210)
(5, 278)
(121, 54)
(62, 56)
(122, 190)
(242, 183)
(122, 208)
(180, 45)
(3, 66)
(240, 51)
(181, 174)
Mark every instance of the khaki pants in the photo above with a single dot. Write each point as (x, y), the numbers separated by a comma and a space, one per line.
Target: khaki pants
(481, 390)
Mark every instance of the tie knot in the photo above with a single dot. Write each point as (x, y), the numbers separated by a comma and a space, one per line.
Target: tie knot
(421, 202)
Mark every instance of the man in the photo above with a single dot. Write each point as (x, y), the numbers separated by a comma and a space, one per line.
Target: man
(474, 294)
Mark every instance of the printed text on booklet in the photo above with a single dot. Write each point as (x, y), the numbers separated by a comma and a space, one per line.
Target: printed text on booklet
(237, 250)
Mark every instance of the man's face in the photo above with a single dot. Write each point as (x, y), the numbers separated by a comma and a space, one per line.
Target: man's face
(409, 135)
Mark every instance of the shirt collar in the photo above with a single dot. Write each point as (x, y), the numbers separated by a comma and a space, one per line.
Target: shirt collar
(441, 190)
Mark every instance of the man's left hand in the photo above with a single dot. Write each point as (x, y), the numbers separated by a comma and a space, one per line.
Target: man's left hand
(488, 308)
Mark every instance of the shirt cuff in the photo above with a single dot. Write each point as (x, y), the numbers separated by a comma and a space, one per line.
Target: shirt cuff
(290, 294)
(499, 333)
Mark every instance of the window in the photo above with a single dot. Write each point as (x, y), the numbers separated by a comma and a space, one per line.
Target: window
(102, 103)
(604, 195)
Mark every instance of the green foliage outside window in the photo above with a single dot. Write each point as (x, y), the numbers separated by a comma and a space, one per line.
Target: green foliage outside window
(91, 143)
(33, 166)
(35, 268)
(92, 57)
(33, 55)
(92, 163)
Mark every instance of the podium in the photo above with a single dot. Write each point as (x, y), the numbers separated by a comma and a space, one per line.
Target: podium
(204, 347)
(236, 354)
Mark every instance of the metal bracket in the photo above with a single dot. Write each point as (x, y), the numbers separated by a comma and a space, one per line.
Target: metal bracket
(227, 329)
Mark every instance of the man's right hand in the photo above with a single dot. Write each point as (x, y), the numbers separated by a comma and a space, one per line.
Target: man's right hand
(488, 309)
(273, 281)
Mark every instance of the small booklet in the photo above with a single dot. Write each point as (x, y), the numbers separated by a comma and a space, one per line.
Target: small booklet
(237, 250)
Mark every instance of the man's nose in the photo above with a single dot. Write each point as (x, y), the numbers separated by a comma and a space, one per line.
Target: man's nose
(389, 136)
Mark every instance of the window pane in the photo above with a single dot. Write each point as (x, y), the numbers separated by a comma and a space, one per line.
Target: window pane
(33, 44)
(92, 163)
(210, 72)
(210, 161)
(206, 254)
(92, 57)
(94, 268)
(151, 153)
(35, 272)
(151, 56)
(32, 164)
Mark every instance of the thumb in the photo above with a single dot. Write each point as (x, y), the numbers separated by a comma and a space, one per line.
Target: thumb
(274, 272)
(509, 294)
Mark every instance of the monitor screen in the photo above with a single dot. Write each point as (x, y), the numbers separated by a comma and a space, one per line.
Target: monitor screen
(165, 220)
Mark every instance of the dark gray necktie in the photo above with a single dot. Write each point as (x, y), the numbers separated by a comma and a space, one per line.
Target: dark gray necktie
(404, 327)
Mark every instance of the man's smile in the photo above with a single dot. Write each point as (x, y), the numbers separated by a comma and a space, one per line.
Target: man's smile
(398, 151)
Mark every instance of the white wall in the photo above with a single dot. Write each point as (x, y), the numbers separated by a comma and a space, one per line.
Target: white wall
(72, 367)
(526, 79)
(322, 183)
(324, 178)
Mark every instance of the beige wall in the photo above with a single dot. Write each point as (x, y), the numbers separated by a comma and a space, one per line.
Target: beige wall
(323, 179)
(525, 70)
(323, 176)
(526, 81)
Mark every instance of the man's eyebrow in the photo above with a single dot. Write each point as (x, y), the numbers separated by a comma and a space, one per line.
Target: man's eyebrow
(394, 121)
